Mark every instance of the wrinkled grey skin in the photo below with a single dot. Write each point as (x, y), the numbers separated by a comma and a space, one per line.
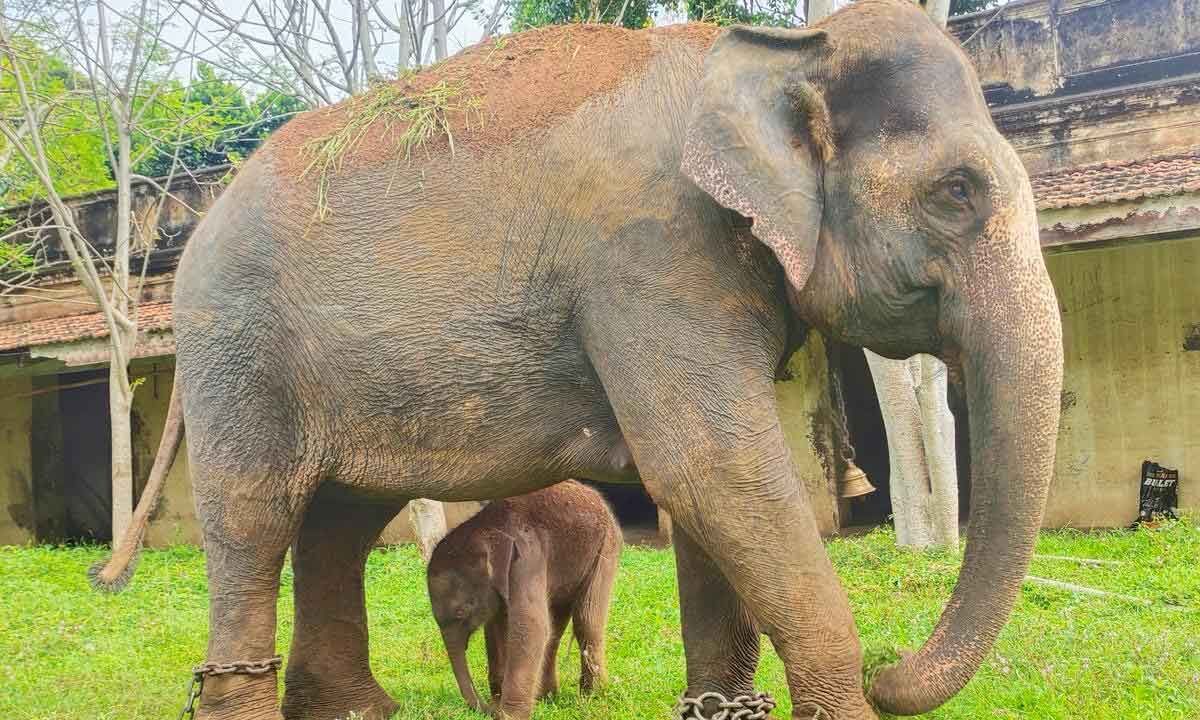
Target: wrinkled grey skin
(521, 569)
(581, 302)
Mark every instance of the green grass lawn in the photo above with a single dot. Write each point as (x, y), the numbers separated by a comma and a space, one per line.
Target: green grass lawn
(66, 652)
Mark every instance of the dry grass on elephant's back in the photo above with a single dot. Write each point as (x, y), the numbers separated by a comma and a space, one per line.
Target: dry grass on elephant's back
(491, 92)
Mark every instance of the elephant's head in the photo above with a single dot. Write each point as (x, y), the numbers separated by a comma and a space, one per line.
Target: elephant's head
(467, 588)
(864, 153)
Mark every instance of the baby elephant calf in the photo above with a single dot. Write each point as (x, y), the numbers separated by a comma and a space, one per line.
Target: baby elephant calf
(521, 569)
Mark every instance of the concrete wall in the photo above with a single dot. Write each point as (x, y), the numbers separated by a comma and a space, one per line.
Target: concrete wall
(1073, 82)
(174, 520)
(16, 464)
(1131, 323)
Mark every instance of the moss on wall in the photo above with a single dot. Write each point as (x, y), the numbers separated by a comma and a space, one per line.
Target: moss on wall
(804, 412)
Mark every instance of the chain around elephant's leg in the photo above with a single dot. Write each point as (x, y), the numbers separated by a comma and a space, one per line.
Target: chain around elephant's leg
(249, 520)
(720, 641)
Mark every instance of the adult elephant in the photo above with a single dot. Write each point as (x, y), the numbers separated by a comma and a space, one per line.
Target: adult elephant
(600, 279)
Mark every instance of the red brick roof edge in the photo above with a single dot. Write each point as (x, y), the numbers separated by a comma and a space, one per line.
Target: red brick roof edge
(72, 328)
(1110, 182)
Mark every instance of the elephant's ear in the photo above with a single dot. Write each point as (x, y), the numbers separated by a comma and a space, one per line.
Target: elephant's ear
(758, 135)
(501, 556)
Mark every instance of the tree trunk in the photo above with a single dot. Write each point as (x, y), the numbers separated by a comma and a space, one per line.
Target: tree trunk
(428, 520)
(937, 434)
(938, 10)
(920, 435)
(819, 10)
(441, 39)
(119, 406)
(404, 45)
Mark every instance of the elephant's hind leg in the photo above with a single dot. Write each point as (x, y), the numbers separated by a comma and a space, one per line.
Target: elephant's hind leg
(246, 536)
(328, 673)
(558, 625)
(590, 618)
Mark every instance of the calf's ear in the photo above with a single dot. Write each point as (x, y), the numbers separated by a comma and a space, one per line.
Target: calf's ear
(501, 557)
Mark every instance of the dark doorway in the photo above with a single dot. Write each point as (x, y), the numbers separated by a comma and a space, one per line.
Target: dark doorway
(72, 458)
(869, 438)
(630, 503)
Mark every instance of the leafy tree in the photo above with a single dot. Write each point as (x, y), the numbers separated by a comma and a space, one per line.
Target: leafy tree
(962, 7)
(74, 147)
(781, 13)
(539, 13)
(220, 124)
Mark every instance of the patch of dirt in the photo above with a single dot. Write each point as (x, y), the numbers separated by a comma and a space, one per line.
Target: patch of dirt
(514, 84)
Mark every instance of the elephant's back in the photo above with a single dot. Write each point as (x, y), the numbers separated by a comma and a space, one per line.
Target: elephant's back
(571, 511)
(489, 95)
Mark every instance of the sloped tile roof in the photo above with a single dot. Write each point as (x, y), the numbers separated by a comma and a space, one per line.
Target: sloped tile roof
(1119, 181)
(151, 316)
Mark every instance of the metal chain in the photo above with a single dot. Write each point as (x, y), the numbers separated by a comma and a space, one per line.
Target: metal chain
(208, 669)
(839, 401)
(743, 707)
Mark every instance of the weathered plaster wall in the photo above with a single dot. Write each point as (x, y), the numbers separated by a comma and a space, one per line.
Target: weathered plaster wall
(1073, 82)
(1131, 323)
(174, 520)
(804, 413)
(16, 463)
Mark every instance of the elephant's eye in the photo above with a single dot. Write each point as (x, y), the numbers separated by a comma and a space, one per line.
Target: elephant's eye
(959, 191)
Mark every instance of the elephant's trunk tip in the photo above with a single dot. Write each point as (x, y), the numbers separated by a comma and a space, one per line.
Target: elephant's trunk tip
(892, 689)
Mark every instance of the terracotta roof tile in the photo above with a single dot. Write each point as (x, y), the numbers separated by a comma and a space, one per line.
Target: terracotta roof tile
(1119, 181)
(88, 326)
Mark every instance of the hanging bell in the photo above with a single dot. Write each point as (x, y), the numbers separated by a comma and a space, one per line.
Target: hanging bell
(855, 482)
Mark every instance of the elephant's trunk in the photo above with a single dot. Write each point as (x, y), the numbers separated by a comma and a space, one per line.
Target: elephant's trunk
(456, 647)
(1004, 327)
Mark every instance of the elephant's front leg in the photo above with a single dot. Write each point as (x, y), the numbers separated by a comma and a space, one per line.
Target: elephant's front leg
(708, 443)
(748, 514)
(495, 634)
(720, 640)
(527, 630)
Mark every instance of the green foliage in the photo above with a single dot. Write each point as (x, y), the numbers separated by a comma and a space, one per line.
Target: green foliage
(780, 13)
(74, 144)
(207, 122)
(539, 13)
(71, 653)
(16, 258)
(213, 120)
(962, 7)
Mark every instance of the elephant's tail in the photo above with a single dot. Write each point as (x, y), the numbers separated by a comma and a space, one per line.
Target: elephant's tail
(113, 574)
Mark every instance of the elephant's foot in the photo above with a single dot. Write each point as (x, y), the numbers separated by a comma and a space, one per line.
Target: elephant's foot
(312, 697)
(240, 697)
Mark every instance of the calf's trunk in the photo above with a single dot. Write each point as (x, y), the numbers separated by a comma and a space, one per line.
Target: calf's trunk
(456, 648)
